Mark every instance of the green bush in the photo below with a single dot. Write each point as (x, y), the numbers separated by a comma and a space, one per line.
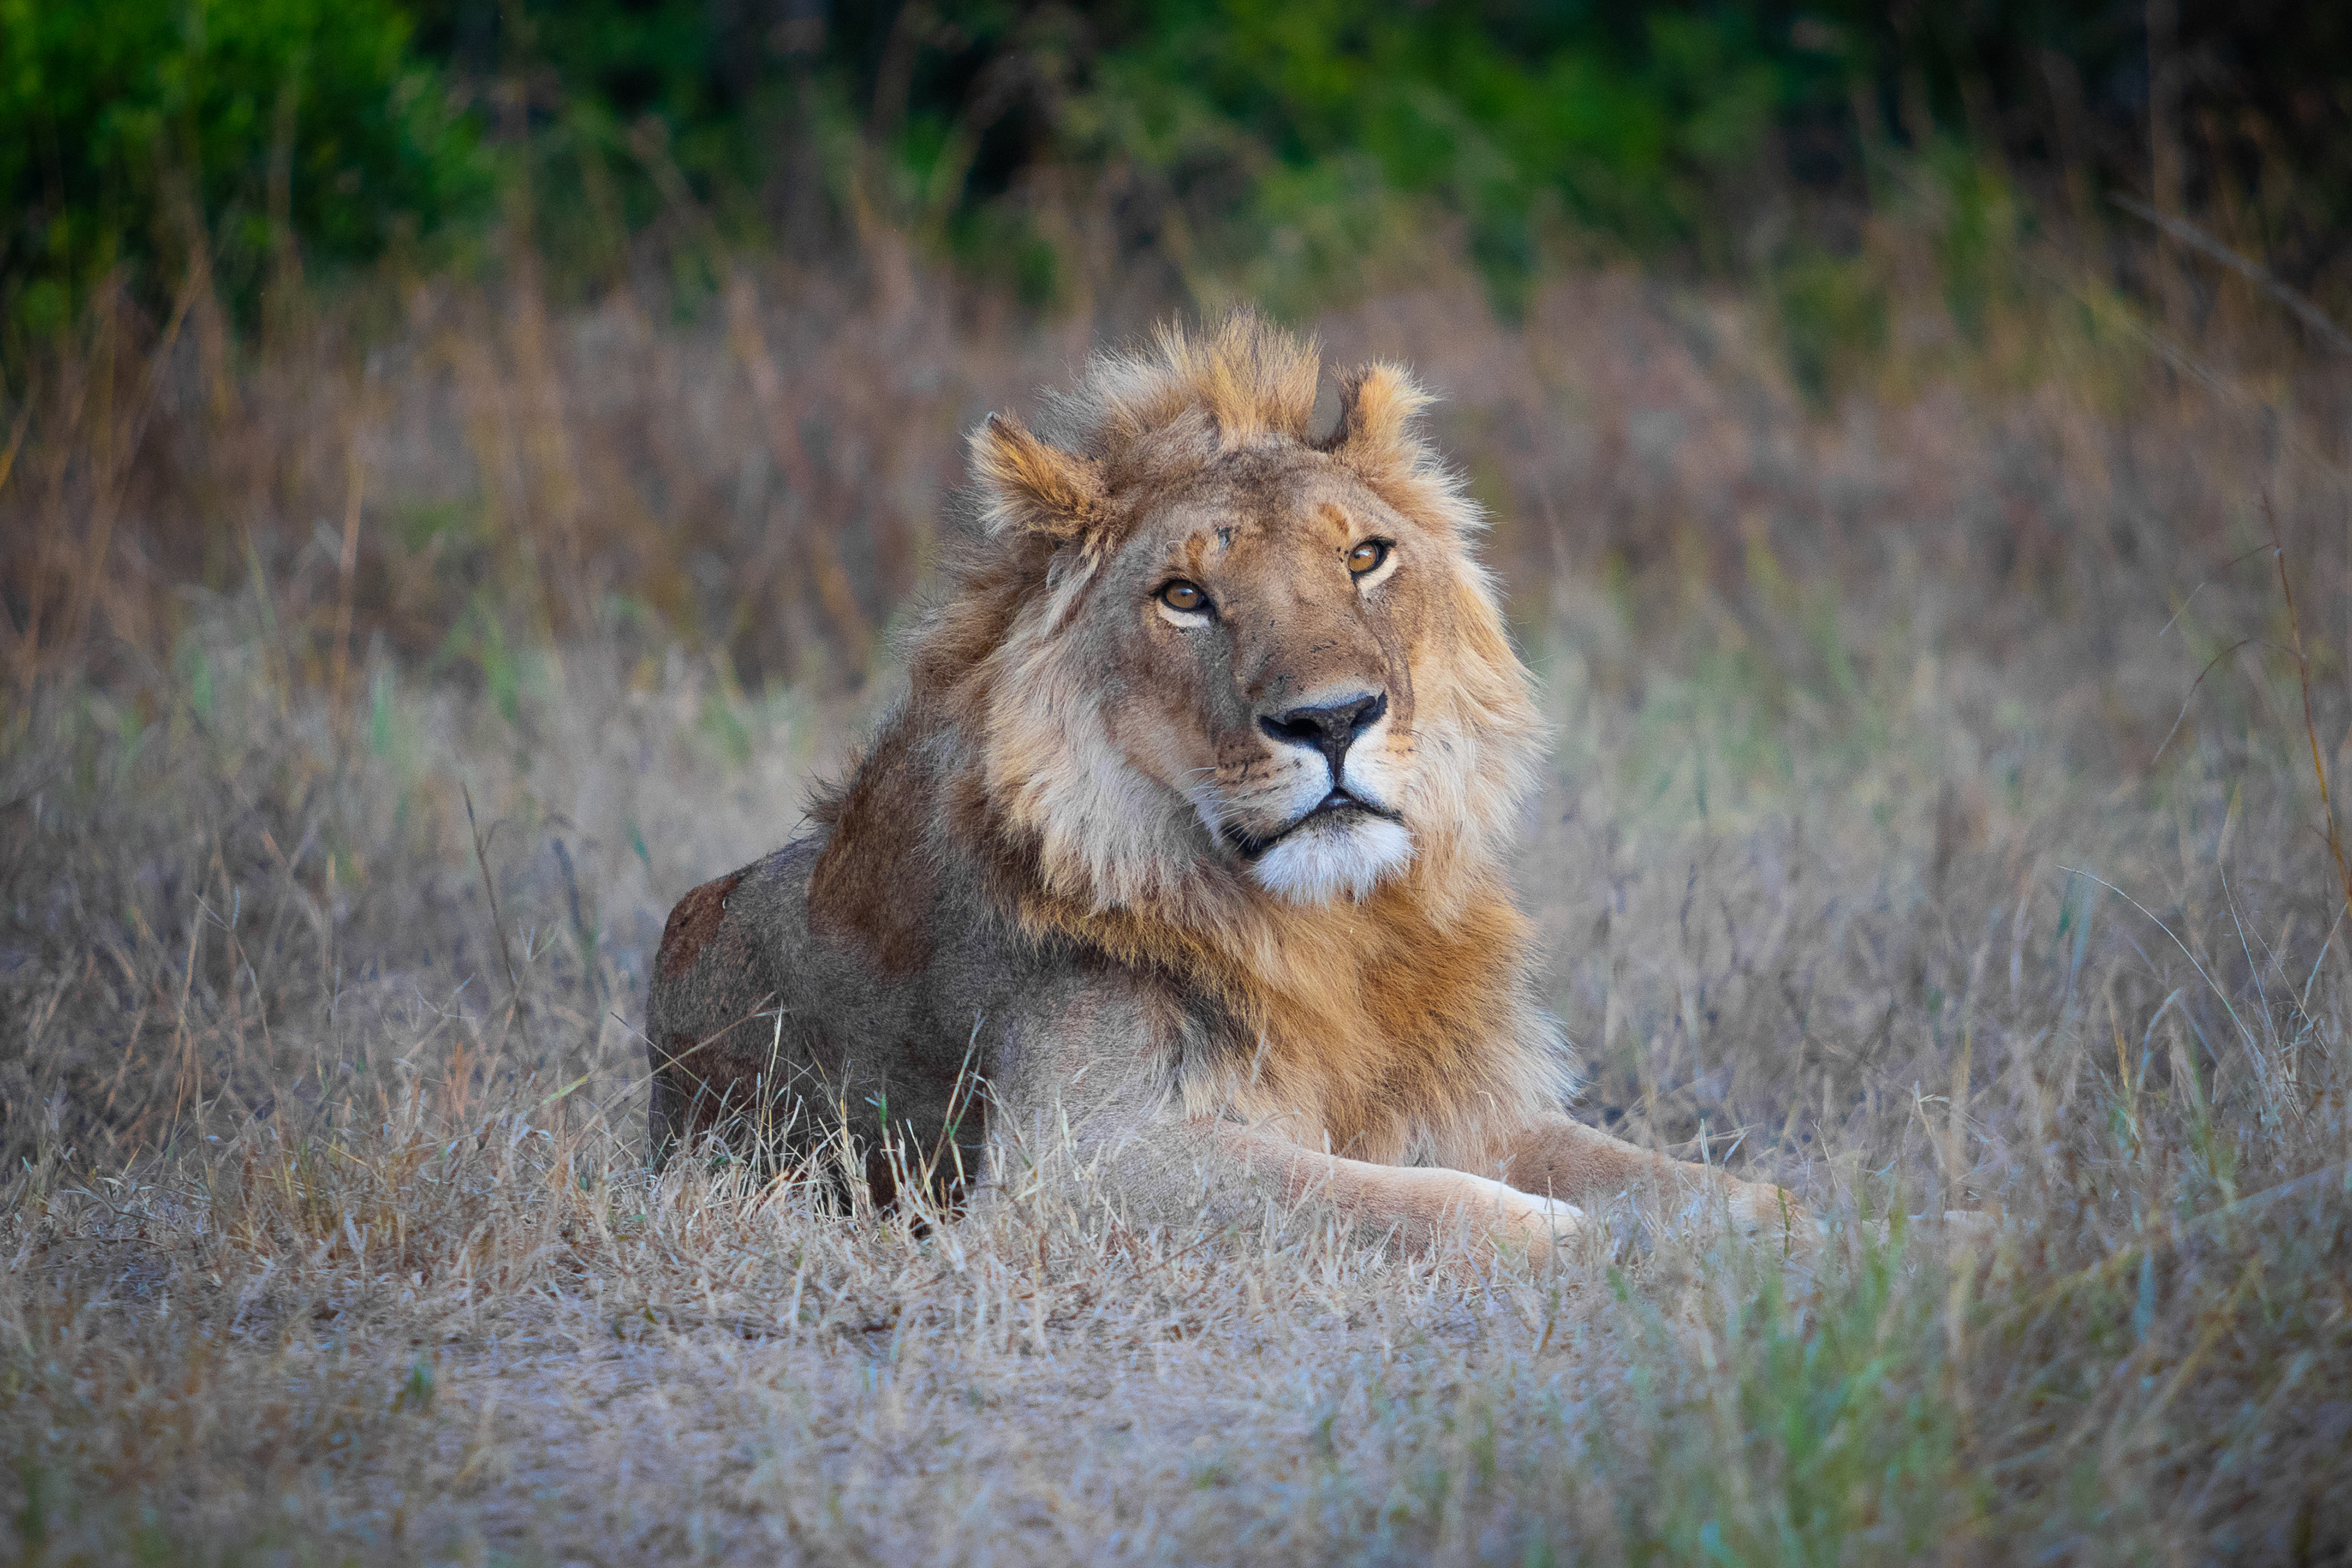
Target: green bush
(127, 128)
(1504, 120)
(1274, 146)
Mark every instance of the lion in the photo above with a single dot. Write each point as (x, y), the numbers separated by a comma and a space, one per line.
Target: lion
(1186, 845)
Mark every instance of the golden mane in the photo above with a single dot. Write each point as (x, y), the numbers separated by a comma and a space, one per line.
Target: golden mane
(1139, 420)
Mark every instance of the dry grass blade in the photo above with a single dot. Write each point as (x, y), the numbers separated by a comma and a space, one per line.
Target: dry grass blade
(517, 1013)
(2322, 326)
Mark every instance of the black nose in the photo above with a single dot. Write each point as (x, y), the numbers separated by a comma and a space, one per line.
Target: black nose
(1330, 729)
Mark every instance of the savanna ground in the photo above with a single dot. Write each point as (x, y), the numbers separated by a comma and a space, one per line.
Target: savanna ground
(1935, 821)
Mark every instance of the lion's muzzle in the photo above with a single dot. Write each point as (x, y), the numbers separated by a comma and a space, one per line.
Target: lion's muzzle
(1329, 728)
(1333, 827)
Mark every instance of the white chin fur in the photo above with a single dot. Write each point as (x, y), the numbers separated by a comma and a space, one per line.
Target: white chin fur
(1319, 864)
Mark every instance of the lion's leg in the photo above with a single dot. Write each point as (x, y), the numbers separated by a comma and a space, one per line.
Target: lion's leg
(1419, 1206)
(1073, 1065)
(1186, 1170)
(1563, 1159)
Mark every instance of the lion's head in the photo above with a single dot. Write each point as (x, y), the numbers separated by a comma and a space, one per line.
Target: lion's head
(1211, 657)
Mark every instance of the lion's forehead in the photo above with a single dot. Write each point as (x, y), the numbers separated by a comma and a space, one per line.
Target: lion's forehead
(1239, 537)
(1255, 498)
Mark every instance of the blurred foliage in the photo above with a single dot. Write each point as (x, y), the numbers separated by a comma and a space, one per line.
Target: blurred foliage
(1275, 147)
(133, 131)
(1634, 133)
(1237, 144)
(1291, 149)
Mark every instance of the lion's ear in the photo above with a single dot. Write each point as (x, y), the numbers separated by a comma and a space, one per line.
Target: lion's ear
(1375, 436)
(1030, 487)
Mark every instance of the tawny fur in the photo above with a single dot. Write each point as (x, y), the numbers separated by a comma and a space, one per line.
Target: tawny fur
(1216, 893)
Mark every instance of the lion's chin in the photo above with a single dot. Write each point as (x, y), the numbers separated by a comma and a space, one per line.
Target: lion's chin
(1319, 862)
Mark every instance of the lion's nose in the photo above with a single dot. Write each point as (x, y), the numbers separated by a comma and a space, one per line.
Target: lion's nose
(1329, 728)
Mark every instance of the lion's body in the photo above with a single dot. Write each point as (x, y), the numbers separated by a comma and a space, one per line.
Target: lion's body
(1185, 844)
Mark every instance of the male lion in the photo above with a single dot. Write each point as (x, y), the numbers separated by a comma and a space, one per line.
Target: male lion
(1186, 846)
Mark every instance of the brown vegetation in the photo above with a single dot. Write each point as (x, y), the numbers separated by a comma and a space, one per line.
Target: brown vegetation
(1877, 856)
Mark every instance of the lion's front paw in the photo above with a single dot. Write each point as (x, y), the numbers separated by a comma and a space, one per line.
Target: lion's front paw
(1761, 1209)
(1539, 1223)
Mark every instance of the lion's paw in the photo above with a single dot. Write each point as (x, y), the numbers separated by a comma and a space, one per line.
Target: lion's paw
(1761, 1209)
(1538, 1222)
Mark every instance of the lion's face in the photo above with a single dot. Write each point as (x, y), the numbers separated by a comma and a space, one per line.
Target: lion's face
(1251, 663)
(1257, 634)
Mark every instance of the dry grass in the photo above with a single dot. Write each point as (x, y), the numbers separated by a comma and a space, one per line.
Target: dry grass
(327, 1230)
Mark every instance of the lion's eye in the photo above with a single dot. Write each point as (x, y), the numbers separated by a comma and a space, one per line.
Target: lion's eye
(1368, 556)
(1182, 595)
